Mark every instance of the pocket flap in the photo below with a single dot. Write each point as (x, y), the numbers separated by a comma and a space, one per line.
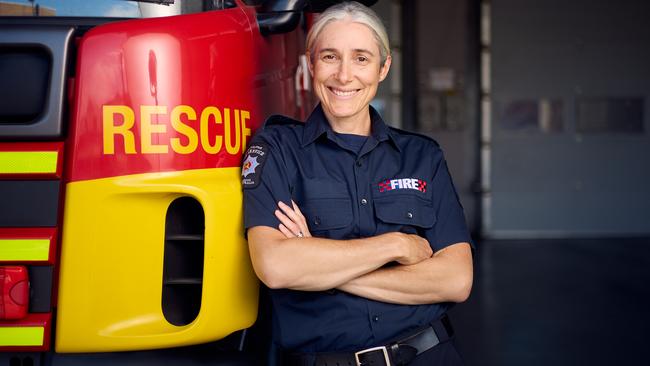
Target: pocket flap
(405, 210)
(328, 214)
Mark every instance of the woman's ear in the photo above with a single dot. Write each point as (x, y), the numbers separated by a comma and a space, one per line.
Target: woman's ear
(309, 64)
(383, 72)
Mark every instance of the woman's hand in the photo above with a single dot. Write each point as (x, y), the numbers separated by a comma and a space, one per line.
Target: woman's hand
(292, 221)
(415, 248)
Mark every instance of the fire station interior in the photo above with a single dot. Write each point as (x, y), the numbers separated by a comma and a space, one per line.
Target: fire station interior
(543, 111)
(541, 108)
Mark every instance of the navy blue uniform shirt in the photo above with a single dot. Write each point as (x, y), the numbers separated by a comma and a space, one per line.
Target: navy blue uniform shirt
(396, 181)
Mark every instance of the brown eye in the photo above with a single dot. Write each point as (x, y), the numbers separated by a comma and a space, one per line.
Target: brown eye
(362, 59)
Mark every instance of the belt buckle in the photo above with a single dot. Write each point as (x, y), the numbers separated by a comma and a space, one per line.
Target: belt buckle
(368, 350)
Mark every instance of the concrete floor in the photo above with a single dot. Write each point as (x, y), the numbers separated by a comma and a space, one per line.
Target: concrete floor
(557, 302)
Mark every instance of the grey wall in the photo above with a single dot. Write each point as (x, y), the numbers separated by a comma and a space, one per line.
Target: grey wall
(447, 70)
(570, 118)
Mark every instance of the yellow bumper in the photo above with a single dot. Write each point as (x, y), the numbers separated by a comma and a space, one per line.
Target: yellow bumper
(112, 262)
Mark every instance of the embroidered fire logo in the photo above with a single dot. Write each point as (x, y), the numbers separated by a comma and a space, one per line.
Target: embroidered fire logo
(249, 166)
(403, 183)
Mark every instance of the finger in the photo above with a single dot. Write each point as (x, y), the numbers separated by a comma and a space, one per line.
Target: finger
(288, 223)
(286, 231)
(282, 217)
(297, 210)
(298, 223)
(289, 211)
(428, 247)
(303, 221)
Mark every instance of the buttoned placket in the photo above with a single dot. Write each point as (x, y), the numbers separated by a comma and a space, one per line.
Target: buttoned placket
(364, 167)
(368, 164)
(364, 198)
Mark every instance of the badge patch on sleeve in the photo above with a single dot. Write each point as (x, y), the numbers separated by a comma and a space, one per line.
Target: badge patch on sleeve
(251, 170)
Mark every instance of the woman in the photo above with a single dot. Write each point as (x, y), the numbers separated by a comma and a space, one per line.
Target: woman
(355, 227)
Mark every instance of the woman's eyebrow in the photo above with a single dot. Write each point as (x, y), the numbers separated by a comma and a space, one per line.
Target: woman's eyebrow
(356, 50)
(363, 50)
(324, 50)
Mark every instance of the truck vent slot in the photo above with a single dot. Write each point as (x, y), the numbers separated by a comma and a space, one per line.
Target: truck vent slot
(183, 261)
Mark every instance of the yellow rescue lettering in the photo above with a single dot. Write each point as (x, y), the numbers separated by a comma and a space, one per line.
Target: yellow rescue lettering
(205, 137)
(147, 128)
(110, 129)
(185, 133)
(245, 131)
(231, 148)
(184, 129)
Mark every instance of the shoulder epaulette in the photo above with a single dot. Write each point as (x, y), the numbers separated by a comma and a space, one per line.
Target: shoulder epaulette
(405, 132)
(280, 120)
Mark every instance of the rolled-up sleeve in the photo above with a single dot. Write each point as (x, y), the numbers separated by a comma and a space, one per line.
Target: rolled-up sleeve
(450, 225)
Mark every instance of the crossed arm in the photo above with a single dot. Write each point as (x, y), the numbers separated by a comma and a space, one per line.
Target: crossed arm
(281, 259)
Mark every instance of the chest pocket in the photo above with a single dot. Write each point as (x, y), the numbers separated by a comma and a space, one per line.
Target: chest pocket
(405, 210)
(328, 214)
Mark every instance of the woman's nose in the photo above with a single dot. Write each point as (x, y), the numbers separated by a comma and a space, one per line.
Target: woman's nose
(344, 73)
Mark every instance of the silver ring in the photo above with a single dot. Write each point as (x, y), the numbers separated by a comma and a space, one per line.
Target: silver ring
(300, 234)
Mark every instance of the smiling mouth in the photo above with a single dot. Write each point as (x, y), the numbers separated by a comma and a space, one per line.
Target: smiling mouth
(343, 93)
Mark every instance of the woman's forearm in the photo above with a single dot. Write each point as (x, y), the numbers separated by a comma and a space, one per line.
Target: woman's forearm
(446, 277)
(314, 264)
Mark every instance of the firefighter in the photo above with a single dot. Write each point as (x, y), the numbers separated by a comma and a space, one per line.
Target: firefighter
(355, 227)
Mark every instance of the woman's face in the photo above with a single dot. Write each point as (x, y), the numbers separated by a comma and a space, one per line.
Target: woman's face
(346, 70)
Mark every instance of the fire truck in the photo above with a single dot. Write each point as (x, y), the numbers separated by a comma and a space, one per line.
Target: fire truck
(121, 235)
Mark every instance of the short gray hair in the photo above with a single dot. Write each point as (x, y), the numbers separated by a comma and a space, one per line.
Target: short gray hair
(357, 13)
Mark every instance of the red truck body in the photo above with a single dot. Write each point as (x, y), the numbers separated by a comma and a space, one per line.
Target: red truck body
(121, 202)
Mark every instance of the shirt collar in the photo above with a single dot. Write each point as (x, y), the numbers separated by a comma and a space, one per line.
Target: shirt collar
(317, 125)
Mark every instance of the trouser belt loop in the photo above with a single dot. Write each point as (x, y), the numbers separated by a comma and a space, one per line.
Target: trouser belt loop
(443, 328)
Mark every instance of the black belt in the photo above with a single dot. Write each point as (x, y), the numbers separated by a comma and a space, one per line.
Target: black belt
(396, 353)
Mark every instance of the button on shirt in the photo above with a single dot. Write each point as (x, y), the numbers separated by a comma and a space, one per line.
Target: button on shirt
(394, 182)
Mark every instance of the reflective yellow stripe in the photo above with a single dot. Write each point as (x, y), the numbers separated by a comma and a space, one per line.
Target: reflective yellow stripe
(24, 249)
(19, 162)
(21, 336)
